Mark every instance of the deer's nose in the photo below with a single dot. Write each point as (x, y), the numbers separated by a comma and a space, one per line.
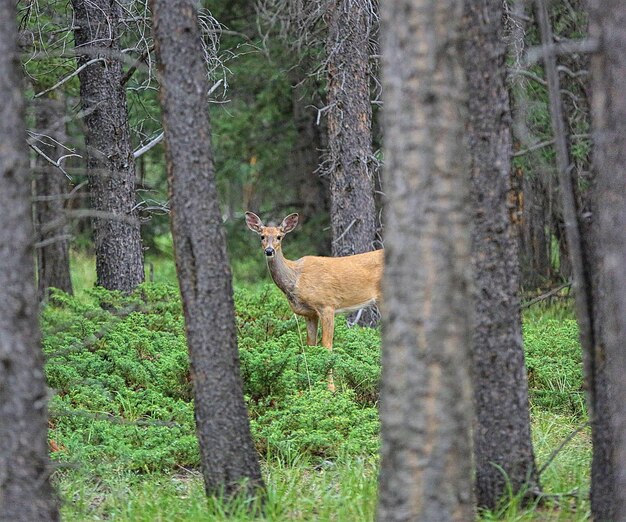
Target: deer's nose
(269, 251)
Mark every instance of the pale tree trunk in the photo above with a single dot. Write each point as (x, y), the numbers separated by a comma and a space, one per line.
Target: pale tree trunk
(228, 456)
(352, 209)
(25, 490)
(53, 256)
(110, 163)
(607, 20)
(426, 400)
(503, 449)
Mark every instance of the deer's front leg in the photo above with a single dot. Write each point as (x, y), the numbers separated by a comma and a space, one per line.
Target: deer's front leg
(311, 330)
(328, 330)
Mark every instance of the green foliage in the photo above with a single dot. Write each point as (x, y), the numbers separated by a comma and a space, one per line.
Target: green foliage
(119, 367)
(122, 411)
(554, 362)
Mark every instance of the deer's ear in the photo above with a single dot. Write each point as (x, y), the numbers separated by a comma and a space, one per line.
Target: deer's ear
(254, 222)
(289, 223)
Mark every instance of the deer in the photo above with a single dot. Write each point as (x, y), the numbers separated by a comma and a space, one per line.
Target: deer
(318, 287)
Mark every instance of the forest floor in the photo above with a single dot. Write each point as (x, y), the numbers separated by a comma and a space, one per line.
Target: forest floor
(335, 480)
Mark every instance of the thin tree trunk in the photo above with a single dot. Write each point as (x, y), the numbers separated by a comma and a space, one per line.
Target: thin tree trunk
(608, 490)
(503, 449)
(53, 256)
(227, 452)
(426, 405)
(352, 209)
(25, 490)
(110, 164)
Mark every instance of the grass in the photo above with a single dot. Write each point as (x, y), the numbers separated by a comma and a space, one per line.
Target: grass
(345, 489)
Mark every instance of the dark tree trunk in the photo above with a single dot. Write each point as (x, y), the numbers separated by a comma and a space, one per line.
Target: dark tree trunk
(503, 449)
(608, 479)
(110, 164)
(227, 452)
(312, 189)
(25, 490)
(53, 254)
(426, 400)
(534, 242)
(352, 210)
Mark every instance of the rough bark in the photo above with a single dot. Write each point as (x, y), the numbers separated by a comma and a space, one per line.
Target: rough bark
(352, 209)
(110, 163)
(53, 256)
(503, 449)
(534, 243)
(227, 452)
(426, 404)
(25, 491)
(607, 19)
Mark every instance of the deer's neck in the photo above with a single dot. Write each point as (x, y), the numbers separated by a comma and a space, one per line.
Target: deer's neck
(283, 272)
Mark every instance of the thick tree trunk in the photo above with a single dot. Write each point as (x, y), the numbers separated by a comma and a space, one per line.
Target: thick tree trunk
(502, 445)
(426, 401)
(25, 490)
(110, 164)
(608, 481)
(227, 452)
(352, 210)
(53, 254)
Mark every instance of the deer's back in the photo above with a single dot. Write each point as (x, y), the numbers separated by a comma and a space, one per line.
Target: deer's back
(342, 283)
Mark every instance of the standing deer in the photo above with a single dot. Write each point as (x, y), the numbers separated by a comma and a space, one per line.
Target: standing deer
(318, 287)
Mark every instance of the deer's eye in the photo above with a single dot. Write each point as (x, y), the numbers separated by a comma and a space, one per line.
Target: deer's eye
(279, 237)
(262, 238)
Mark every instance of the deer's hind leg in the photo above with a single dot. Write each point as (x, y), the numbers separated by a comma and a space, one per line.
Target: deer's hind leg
(328, 330)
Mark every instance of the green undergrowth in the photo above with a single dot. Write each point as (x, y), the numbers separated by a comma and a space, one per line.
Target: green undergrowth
(122, 423)
(119, 369)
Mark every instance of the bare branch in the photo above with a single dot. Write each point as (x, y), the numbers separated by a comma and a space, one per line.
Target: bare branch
(68, 77)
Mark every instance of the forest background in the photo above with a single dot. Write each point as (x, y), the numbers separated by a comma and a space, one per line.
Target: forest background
(121, 411)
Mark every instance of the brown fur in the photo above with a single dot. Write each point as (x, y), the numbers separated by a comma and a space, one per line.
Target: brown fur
(319, 287)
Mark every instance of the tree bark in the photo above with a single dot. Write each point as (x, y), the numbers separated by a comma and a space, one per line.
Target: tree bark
(227, 452)
(607, 19)
(25, 490)
(426, 407)
(352, 209)
(110, 163)
(503, 449)
(53, 256)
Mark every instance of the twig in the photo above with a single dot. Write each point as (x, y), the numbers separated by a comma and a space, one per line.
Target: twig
(137, 63)
(344, 232)
(561, 446)
(50, 160)
(50, 240)
(68, 77)
(148, 146)
(547, 295)
(534, 147)
(586, 46)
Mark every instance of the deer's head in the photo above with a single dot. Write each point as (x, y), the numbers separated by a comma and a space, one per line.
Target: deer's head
(271, 237)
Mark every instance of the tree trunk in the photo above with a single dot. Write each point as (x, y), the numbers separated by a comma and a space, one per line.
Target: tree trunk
(227, 452)
(352, 210)
(426, 407)
(503, 449)
(25, 490)
(607, 20)
(534, 242)
(110, 163)
(53, 256)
